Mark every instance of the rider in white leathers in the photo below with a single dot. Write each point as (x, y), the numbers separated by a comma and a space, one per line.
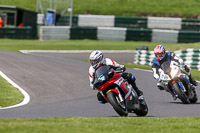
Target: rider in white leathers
(96, 60)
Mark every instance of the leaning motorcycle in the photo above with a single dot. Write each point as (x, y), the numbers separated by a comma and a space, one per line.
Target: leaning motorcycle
(118, 92)
(177, 82)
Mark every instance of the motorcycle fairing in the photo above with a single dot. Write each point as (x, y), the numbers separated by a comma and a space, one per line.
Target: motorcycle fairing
(111, 81)
(114, 90)
(125, 87)
(185, 78)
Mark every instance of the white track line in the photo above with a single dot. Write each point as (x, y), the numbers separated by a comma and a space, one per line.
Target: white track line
(75, 51)
(142, 70)
(26, 96)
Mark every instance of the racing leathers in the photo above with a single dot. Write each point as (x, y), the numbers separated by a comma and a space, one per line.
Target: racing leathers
(168, 57)
(130, 78)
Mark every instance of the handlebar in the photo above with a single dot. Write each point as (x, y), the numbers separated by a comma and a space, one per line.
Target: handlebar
(117, 69)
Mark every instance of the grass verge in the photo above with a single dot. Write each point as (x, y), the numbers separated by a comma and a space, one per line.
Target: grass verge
(175, 8)
(16, 45)
(101, 125)
(9, 95)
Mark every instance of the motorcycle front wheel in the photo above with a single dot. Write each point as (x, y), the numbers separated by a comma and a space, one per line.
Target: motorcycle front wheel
(181, 95)
(119, 107)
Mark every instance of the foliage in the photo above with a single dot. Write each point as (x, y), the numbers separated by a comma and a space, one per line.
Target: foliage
(175, 8)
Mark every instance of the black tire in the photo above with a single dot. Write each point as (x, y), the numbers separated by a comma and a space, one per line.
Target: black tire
(118, 107)
(144, 109)
(194, 97)
(182, 96)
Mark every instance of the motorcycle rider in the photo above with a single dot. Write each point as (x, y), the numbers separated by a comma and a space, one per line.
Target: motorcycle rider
(96, 60)
(161, 56)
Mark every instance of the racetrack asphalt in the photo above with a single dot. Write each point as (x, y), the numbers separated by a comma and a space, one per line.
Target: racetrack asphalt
(58, 85)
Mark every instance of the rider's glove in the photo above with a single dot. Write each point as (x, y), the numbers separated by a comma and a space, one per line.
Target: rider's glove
(182, 66)
(123, 68)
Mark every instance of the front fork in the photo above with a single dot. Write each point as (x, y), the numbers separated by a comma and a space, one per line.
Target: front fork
(180, 85)
(131, 98)
(116, 91)
(119, 94)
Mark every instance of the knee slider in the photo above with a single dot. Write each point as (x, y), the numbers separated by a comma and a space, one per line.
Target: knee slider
(131, 77)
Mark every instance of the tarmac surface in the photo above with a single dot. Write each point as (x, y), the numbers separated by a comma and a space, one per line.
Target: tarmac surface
(58, 85)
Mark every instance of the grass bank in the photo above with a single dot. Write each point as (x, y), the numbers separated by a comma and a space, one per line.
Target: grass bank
(9, 95)
(16, 45)
(175, 8)
(101, 125)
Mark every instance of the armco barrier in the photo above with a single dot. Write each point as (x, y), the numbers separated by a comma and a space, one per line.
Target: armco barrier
(16, 32)
(191, 57)
(66, 33)
(83, 33)
(65, 20)
(138, 34)
(131, 22)
(106, 33)
(54, 33)
(96, 20)
(190, 24)
(188, 36)
(155, 29)
(164, 23)
(116, 33)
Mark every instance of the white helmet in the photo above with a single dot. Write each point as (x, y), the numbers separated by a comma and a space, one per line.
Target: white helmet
(96, 59)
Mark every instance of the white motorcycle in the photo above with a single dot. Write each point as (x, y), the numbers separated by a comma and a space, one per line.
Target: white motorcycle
(177, 82)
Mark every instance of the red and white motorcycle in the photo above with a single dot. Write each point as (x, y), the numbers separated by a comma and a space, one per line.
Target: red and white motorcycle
(118, 92)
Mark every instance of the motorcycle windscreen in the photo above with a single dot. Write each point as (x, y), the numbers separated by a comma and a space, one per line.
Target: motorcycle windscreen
(101, 74)
(166, 67)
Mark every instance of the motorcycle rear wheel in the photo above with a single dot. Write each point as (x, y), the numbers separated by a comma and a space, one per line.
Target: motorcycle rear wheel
(194, 97)
(144, 109)
(120, 108)
(181, 95)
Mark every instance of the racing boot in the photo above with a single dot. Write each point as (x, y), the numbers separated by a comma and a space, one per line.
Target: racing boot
(139, 92)
(192, 81)
(160, 86)
(100, 98)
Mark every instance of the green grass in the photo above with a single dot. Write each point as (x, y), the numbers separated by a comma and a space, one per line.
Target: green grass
(101, 125)
(9, 95)
(177, 8)
(186, 8)
(16, 45)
